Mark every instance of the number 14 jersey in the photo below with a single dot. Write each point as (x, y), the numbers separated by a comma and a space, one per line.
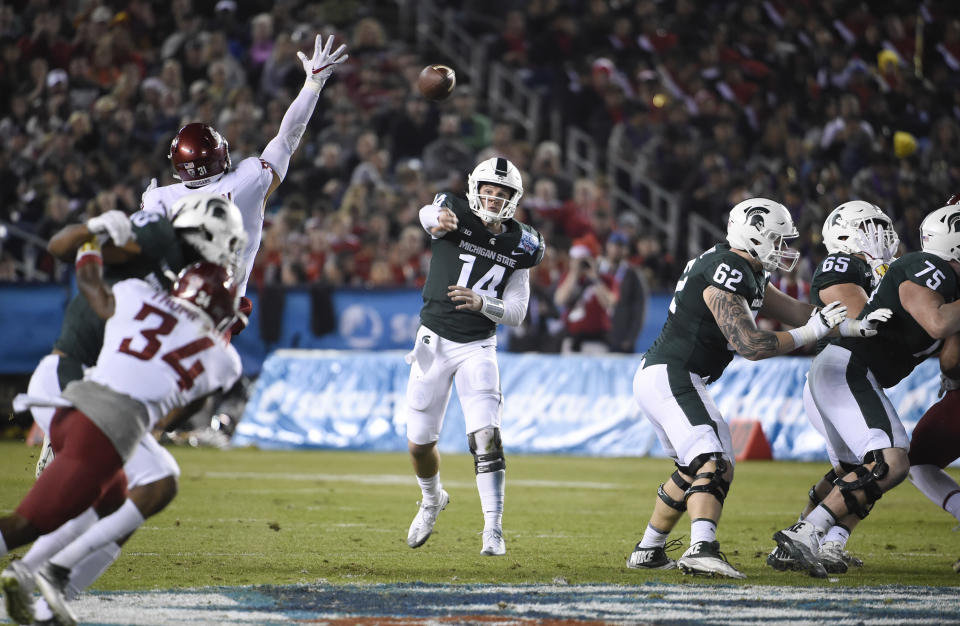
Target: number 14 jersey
(691, 337)
(159, 352)
(473, 257)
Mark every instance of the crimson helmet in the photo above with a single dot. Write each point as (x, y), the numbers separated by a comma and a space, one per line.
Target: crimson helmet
(954, 199)
(199, 154)
(209, 289)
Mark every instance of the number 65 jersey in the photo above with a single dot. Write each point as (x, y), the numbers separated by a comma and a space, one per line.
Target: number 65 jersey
(691, 338)
(160, 352)
(901, 343)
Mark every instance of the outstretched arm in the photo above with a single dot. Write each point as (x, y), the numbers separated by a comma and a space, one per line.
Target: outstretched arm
(294, 123)
(112, 230)
(89, 266)
(784, 308)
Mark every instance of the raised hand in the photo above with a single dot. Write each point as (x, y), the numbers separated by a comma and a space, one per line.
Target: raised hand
(320, 66)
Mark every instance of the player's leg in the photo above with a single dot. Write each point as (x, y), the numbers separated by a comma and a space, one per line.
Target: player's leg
(935, 443)
(860, 417)
(478, 387)
(692, 430)
(46, 382)
(428, 392)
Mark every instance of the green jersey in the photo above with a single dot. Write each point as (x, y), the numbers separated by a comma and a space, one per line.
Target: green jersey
(901, 343)
(691, 338)
(81, 334)
(837, 269)
(473, 257)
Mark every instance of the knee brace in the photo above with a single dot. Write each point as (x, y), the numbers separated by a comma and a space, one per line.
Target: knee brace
(830, 477)
(718, 485)
(866, 481)
(678, 480)
(487, 450)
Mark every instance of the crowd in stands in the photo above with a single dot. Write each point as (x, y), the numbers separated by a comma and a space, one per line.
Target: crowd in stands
(809, 103)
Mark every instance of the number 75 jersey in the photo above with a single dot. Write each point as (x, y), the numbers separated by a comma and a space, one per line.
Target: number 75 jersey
(901, 343)
(160, 352)
(691, 338)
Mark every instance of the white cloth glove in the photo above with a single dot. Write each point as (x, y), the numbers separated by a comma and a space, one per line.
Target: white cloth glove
(112, 225)
(320, 66)
(820, 323)
(153, 185)
(867, 327)
(878, 243)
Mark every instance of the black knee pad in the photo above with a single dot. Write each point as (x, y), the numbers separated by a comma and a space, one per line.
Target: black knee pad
(678, 480)
(718, 486)
(866, 481)
(491, 458)
(830, 477)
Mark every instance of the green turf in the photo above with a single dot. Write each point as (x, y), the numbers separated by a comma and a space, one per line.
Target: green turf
(232, 530)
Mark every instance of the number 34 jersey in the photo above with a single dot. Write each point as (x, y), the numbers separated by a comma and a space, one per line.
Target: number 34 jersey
(473, 257)
(691, 338)
(159, 352)
(901, 343)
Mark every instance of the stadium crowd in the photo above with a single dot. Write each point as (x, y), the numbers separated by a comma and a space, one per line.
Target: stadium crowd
(809, 103)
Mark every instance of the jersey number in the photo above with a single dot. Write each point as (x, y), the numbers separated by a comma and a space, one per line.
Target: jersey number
(726, 276)
(838, 264)
(488, 283)
(173, 358)
(934, 281)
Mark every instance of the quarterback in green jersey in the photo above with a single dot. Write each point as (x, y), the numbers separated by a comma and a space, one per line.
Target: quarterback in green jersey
(711, 317)
(861, 242)
(478, 278)
(847, 380)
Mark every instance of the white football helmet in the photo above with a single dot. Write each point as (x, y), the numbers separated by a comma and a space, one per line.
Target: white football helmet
(940, 233)
(762, 228)
(213, 225)
(496, 171)
(860, 227)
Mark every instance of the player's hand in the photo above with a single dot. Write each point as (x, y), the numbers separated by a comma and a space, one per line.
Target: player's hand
(153, 185)
(470, 300)
(112, 225)
(947, 384)
(823, 320)
(875, 245)
(447, 222)
(320, 66)
(866, 327)
(246, 306)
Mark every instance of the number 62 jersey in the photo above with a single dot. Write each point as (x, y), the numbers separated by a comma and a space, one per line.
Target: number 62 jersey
(160, 352)
(473, 257)
(691, 338)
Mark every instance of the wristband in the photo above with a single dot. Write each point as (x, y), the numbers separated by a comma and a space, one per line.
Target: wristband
(803, 336)
(88, 253)
(493, 308)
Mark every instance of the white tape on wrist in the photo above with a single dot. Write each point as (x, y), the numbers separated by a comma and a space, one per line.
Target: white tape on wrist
(803, 336)
(493, 308)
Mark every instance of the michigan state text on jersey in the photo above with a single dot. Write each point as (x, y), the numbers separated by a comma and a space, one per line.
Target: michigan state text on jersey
(473, 257)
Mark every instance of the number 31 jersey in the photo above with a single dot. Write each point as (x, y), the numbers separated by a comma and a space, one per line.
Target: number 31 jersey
(473, 257)
(901, 343)
(161, 353)
(691, 337)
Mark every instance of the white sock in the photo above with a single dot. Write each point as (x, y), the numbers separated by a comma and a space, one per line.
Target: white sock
(41, 610)
(937, 485)
(47, 545)
(430, 487)
(111, 528)
(702, 529)
(89, 569)
(654, 538)
(821, 518)
(837, 533)
(491, 486)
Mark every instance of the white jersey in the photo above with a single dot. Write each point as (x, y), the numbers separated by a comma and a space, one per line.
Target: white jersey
(246, 185)
(161, 353)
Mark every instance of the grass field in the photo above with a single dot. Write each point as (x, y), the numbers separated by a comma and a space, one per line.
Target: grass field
(248, 517)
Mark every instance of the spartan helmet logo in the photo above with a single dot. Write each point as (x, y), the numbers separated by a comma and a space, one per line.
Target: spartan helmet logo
(755, 217)
(953, 223)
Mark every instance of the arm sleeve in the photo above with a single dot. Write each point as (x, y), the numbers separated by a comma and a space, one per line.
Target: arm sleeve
(292, 126)
(513, 308)
(430, 218)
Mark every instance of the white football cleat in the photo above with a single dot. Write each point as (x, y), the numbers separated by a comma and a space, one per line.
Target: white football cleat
(704, 558)
(46, 455)
(493, 543)
(17, 583)
(422, 525)
(802, 542)
(52, 582)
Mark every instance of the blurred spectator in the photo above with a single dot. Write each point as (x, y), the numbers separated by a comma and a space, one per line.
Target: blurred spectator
(631, 290)
(587, 297)
(448, 151)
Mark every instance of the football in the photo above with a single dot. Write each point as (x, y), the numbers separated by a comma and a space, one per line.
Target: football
(436, 82)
